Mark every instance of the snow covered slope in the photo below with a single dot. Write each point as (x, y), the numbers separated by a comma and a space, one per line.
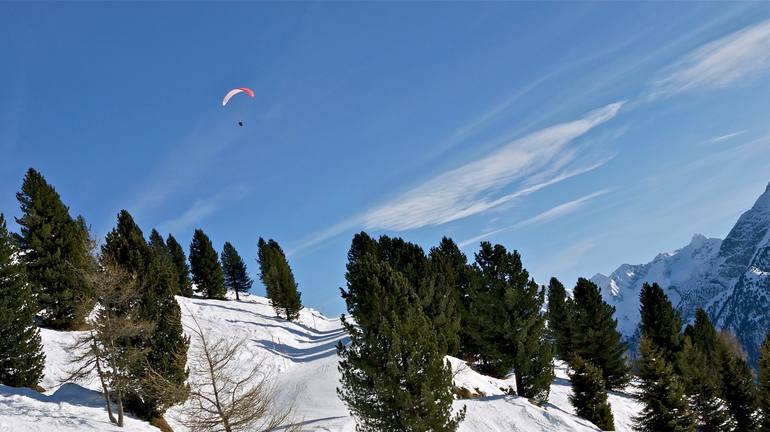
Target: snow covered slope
(303, 358)
(729, 278)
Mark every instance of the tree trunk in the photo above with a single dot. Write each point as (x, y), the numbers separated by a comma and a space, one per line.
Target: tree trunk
(120, 408)
(519, 382)
(107, 397)
(236, 295)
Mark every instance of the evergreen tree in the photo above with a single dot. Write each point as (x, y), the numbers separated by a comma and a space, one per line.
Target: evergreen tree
(21, 353)
(234, 270)
(157, 242)
(166, 347)
(595, 337)
(178, 258)
(764, 383)
(441, 301)
(276, 275)
(206, 271)
(393, 377)
(560, 318)
(509, 322)
(705, 339)
(660, 323)
(739, 393)
(125, 245)
(702, 388)
(661, 394)
(589, 396)
(452, 266)
(56, 249)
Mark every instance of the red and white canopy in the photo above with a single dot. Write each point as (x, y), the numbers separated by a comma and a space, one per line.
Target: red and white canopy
(235, 91)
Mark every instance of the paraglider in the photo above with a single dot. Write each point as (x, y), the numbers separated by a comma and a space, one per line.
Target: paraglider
(234, 92)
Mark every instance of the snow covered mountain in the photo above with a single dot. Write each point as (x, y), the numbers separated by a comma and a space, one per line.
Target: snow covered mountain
(303, 359)
(729, 278)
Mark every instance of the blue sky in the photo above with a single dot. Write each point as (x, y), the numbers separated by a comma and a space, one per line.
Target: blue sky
(584, 135)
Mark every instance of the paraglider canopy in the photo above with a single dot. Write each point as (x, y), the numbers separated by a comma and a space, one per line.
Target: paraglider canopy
(235, 91)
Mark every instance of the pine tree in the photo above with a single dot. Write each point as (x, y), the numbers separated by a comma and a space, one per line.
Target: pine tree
(511, 326)
(179, 259)
(126, 246)
(453, 267)
(448, 271)
(764, 383)
(157, 242)
(157, 281)
(589, 396)
(739, 393)
(705, 339)
(702, 388)
(660, 323)
(234, 270)
(167, 348)
(21, 353)
(56, 249)
(206, 271)
(595, 337)
(393, 377)
(276, 275)
(661, 394)
(435, 282)
(560, 318)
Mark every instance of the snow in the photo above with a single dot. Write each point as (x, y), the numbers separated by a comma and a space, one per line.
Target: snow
(303, 358)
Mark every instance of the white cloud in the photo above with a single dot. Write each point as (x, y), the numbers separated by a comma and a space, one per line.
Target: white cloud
(535, 161)
(474, 187)
(202, 208)
(725, 137)
(717, 64)
(553, 213)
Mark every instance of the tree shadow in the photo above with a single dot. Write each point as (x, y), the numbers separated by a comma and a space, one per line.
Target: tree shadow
(302, 355)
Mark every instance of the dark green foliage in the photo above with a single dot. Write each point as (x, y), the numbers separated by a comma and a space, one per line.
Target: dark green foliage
(435, 280)
(739, 393)
(764, 383)
(595, 337)
(206, 271)
(126, 245)
(156, 241)
(705, 339)
(665, 407)
(167, 348)
(702, 386)
(184, 284)
(449, 271)
(589, 396)
(276, 275)
(660, 323)
(508, 324)
(234, 271)
(393, 376)
(56, 249)
(459, 276)
(151, 264)
(560, 318)
(21, 353)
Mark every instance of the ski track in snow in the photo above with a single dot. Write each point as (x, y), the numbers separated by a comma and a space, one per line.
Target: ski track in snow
(303, 358)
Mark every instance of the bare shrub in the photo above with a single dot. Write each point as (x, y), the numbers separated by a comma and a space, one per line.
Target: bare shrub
(222, 398)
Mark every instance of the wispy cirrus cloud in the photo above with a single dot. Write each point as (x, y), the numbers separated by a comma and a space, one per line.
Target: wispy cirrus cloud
(202, 208)
(717, 64)
(551, 214)
(475, 187)
(530, 164)
(725, 137)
